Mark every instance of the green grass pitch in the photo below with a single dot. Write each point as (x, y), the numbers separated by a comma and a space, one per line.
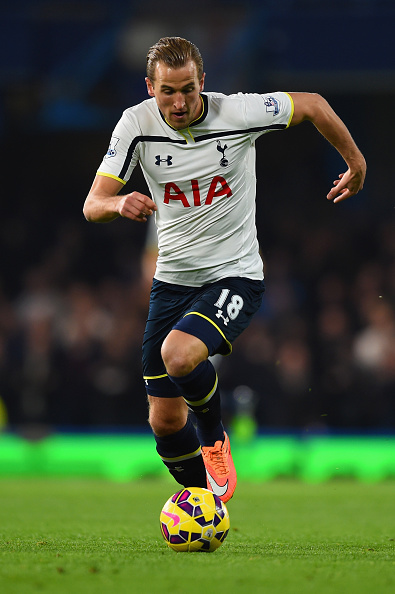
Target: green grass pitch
(95, 536)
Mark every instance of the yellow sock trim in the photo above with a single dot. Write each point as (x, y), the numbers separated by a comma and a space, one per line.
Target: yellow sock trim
(206, 398)
(184, 457)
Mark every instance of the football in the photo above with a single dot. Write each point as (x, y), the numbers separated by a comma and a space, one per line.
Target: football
(194, 519)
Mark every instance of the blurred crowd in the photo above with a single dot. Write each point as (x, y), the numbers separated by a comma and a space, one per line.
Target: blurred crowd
(320, 354)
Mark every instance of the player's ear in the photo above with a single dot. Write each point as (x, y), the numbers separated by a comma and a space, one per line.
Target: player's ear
(201, 86)
(150, 87)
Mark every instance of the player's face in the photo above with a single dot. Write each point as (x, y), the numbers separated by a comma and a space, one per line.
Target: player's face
(176, 91)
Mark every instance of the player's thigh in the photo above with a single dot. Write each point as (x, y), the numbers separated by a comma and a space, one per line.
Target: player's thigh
(222, 312)
(167, 304)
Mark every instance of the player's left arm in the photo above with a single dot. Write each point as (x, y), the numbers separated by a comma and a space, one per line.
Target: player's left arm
(314, 108)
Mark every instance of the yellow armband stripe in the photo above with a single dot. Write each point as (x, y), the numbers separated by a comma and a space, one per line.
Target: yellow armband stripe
(112, 176)
(292, 110)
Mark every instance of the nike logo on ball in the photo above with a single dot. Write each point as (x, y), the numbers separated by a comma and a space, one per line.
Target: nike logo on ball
(174, 517)
(217, 489)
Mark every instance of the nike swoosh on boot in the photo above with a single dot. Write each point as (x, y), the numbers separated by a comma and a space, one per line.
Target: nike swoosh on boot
(217, 489)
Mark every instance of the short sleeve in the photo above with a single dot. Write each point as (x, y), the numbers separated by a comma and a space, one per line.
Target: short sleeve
(123, 151)
(271, 110)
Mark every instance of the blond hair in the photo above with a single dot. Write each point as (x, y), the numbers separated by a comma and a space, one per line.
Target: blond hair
(175, 52)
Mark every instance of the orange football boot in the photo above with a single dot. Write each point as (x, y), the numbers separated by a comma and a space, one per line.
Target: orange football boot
(220, 470)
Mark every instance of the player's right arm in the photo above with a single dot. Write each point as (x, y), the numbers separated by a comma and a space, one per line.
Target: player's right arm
(103, 204)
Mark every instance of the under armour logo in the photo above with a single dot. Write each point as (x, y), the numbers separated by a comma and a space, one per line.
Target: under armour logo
(219, 315)
(168, 160)
(224, 161)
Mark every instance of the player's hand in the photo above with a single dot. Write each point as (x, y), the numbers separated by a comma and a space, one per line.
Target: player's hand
(348, 184)
(136, 206)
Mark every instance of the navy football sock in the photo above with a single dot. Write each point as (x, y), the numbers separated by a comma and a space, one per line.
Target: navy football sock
(201, 393)
(181, 453)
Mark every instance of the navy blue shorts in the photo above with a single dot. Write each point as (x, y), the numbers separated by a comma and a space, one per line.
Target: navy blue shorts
(216, 313)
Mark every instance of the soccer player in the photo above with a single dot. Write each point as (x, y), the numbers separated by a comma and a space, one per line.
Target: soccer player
(197, 153)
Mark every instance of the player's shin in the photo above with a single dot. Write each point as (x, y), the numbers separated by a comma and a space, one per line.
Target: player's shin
(181, 453)
(201, 393)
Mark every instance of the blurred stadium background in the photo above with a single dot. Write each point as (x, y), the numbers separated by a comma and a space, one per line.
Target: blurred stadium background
(319, 358)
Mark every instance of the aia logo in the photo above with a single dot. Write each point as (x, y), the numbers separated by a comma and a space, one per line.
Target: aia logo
(218, 187)
(168, 160)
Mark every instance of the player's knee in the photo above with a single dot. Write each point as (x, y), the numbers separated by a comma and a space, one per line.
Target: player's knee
(160, 427)
(166, 421)
(182, 352)
(176, 359)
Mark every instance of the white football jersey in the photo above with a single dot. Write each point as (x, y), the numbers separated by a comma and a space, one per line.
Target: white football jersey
(202, 180)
